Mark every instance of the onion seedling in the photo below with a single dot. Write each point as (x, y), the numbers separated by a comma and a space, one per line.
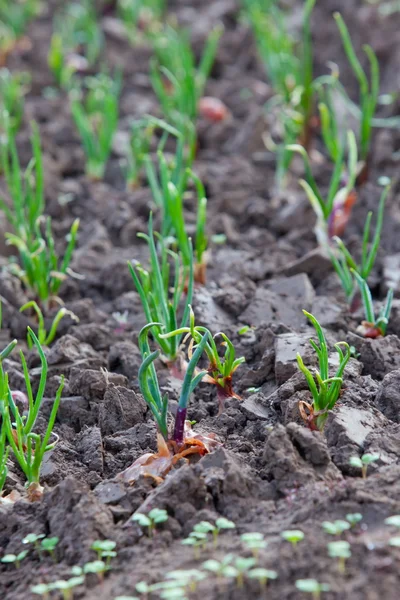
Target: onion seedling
(373, 327)
(13, 88)
(14, 18)
(333, 212)
(177, 81)
(61, 67)
(312, 586)
(294, 536)
(28, 447)
(95, 114)
(335, 528)
(15, 559)
(369, 90)
(325, 390)
(220, 370)
(262, 576)
(345, 263)
(141, 16)
(80, 30)
(160, 305)
(289, 68)
(45, 338)
(151, 520)
(340, 550)
(363, 462)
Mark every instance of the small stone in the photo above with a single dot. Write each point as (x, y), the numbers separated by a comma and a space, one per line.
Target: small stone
(110, 492)
(388, 397)
(287, 345)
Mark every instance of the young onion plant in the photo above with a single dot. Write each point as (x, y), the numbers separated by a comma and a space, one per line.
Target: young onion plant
(332, 212)
(373, 327)
(28, 447)
(220, 370)
(160, 303)
(95, 114)
(177, 81)
(169, 190)
(46, 337)
(324, 389)
(13, 88)
(149, 387)
(289, 66)
(14, 18)
(344, 263)
(141, 16)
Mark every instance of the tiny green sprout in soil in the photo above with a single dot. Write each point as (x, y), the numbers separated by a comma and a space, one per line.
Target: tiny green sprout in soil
(155, 517)
(354, 518)
(104, 549)
(262, 576)
(393, 520)
(254, 541)
(220, 370)
(60, 64)
(312, 586)
(15, 559)
(363, 462)
(340, 550)
(395, 542)
(294, 536)
(160, 305)
(345, 264)
(335, 527)
(98, 567)
(189, 577)
(141, 18)
(373, 327)
(66, 586)
(45, 338)
(325, 390)
(78, 25)
(95, 113)
(13, 87)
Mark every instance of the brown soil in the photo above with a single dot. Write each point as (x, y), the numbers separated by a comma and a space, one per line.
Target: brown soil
(271, 473)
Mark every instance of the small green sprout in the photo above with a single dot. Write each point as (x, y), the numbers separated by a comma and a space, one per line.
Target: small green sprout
(61, 67)
(13, 88)
(15, 559)
(197, 540)
(312, 586)
(67, 586)
(395, 542)
(220, 524)
(254, 541)
(34, 538)
(190, 577)
(394, 520)
(373, 327)
(345, 265)
(369, 91)
(149, 386)
(28, 447)
(242, 567)
(325, 392)
(262, 576)
(42, 589)
(14, 19)
(45, 338)
(95, 114)
(79, 27)
(141, 17)
(160, 304)
(49, 545)
(151, 520)
(220, 370)
(294, 536)
(340, 550)
(221, 568)
(104, 549)
(99, 567)
(354, 518)
(337, 527)
(363, 462)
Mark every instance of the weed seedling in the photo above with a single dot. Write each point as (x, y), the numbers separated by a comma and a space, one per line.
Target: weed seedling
(15, 559)
(294, 536)
(325, 390)
(363, 462)
(354, 518)
(160, 305)
(335, 528)
(151, 520)
(45, 338)
(312, 586)
(340, 550)
(95, 114)
(254, 542)
(262, 576)
(394, 520)
(373, 327)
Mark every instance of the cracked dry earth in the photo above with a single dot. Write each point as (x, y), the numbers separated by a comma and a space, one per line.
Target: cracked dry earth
(270, 473)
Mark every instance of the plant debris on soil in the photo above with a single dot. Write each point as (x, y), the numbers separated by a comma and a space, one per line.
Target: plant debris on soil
(267, 472)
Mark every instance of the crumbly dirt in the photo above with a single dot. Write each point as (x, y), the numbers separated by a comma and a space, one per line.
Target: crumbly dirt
(270, 473)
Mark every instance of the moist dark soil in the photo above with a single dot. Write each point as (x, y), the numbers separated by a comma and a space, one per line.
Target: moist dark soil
(270, 472)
